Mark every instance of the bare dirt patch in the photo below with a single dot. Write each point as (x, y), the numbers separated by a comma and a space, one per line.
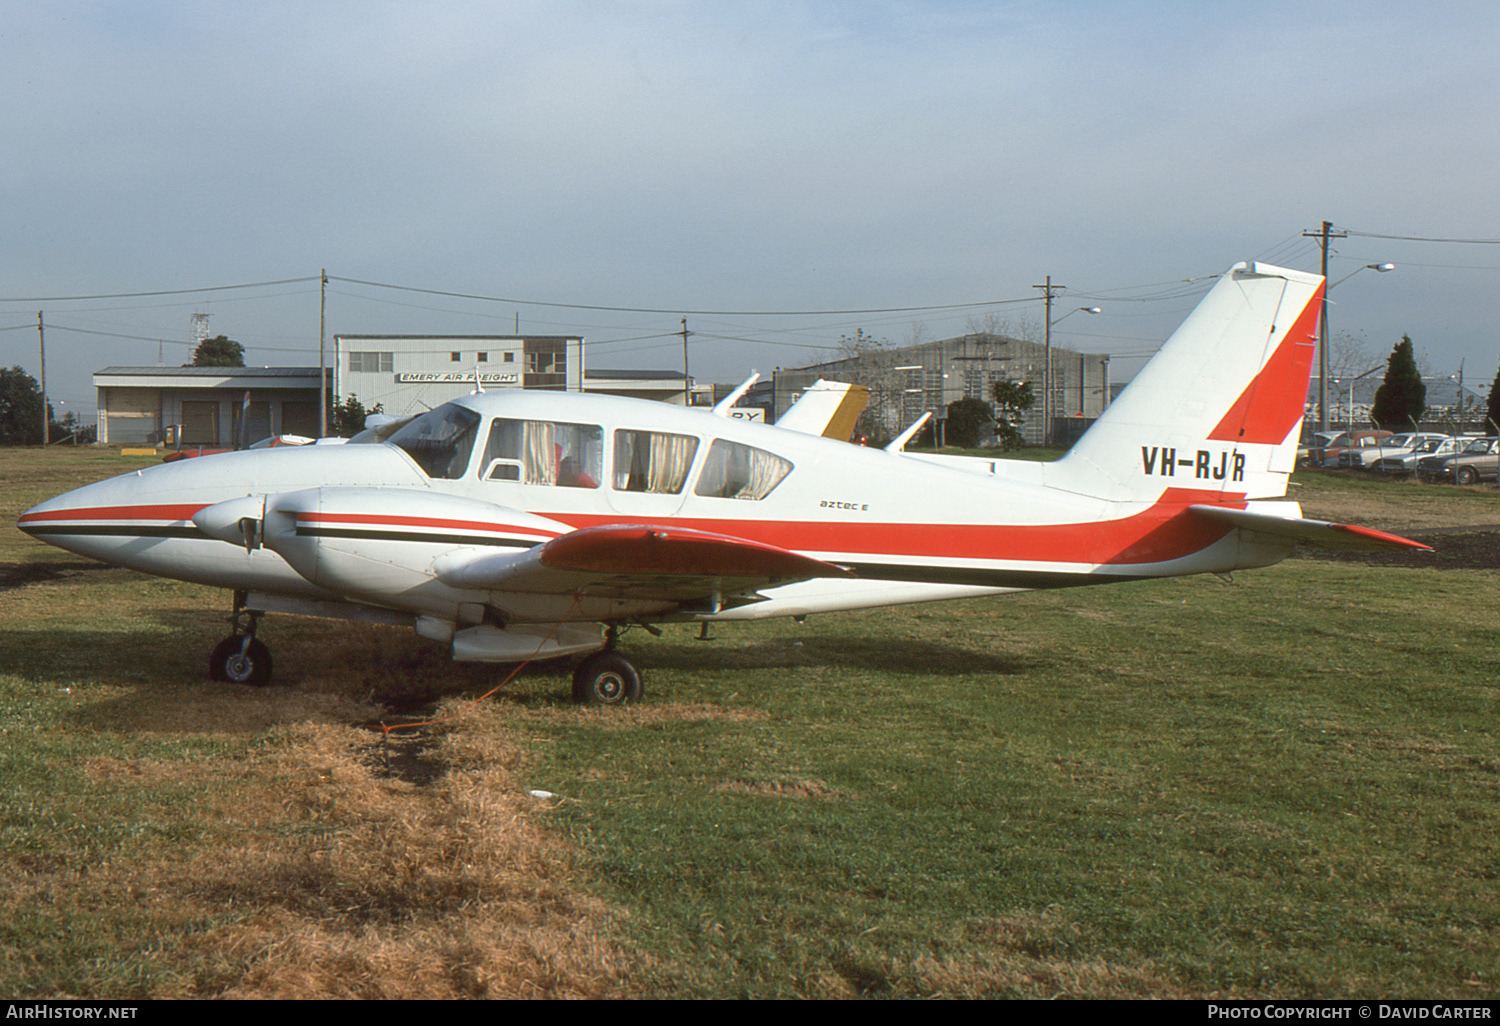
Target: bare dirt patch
(1453, 549)
(1461, 524)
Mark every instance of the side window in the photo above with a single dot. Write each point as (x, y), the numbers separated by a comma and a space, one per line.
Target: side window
(544, 452)
(735, 471)
(651, 461)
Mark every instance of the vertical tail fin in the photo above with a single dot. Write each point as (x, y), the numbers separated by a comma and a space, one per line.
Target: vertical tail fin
(827, 408)
(1218, 409)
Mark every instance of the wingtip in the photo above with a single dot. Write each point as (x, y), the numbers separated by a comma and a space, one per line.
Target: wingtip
(1385, 539)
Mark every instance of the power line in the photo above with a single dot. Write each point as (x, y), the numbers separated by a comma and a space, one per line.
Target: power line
(677, 310)
(1418, 238)
(161, 292)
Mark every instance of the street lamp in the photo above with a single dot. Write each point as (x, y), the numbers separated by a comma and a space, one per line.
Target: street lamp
(1349, 422)
(1047, 373)
(1323, 338)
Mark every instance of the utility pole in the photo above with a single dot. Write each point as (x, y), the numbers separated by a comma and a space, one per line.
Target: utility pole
(41, 339)
(1323, 234)
(1047, 371)
(687, 389)
(322, 377)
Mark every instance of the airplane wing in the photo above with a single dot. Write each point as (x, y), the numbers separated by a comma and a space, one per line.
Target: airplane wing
(635, 561)
(1319, 533)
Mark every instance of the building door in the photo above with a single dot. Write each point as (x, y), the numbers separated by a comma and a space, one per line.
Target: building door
(200, 422)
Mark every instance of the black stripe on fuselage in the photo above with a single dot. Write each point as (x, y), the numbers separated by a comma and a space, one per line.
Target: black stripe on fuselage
(417, 536)
(980, 577)
(114, 531)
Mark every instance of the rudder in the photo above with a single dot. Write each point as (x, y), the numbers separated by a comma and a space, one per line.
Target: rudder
(1218, 410)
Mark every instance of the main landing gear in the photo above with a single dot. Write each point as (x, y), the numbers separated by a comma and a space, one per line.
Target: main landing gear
(607, 677)
(240, 658)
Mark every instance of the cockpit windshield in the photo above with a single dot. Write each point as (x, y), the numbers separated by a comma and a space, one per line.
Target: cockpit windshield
(440, 440)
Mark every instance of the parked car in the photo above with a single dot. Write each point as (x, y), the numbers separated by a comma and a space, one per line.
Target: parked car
(1363, 457)
(1403, 463)
(1324, 452)
(1475, 462)
(1320, 441)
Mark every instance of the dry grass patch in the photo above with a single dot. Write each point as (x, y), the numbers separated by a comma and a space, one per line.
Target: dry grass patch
(782, 788)
(312, 874)
(360, 886)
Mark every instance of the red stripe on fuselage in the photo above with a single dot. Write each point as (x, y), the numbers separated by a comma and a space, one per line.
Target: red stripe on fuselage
(153, 513)
(1164, 531)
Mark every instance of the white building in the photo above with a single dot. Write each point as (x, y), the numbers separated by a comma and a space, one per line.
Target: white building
(411, 373)
(203, 405)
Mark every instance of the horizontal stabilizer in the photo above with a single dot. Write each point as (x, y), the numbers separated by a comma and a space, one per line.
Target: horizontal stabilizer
(1319, 533)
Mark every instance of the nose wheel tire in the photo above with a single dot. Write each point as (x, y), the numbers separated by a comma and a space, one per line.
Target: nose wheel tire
(235, 661)
(606, 678)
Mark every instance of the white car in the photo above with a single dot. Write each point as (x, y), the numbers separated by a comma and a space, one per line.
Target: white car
(1401, 464)
(1396, 445)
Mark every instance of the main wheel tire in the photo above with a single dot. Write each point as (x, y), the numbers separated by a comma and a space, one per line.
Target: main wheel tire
(234, 661)
(606, 678)
(1468, 476)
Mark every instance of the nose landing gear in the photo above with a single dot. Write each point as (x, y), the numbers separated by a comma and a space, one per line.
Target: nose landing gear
(240, 658)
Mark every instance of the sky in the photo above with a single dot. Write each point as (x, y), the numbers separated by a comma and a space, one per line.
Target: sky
(780, 174)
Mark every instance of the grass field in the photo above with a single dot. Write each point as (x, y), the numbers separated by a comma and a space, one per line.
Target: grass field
(1283, 785)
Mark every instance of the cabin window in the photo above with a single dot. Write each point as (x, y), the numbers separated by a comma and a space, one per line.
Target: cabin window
(735, 471)
(652, 461)
(544, 452)
(440, 440)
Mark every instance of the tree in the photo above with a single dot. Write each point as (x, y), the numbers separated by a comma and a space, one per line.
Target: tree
(71, 428)
(1401, 398)
(1494, 420)
(1013, 398)
(349, 416)
(872, 364)
(967, 419)
(20, 408)
(219, 351)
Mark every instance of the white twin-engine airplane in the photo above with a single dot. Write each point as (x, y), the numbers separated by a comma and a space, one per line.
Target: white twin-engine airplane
(536, 524)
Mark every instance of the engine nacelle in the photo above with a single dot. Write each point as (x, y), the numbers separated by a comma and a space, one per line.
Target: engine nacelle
(380, 544)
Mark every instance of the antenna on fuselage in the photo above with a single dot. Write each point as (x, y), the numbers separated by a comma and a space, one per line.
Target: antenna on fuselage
(724, 405)
(478, 385)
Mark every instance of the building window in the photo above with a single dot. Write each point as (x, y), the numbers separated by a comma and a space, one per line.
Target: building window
(482, 357)
(545, 363)
(372, 363)
(455, 357)
(510, 357)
